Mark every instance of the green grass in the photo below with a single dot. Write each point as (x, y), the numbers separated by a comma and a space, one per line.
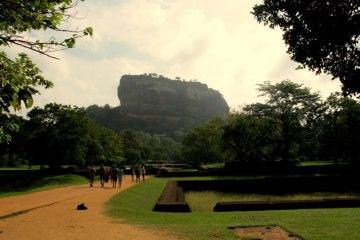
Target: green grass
(213, 165)
(41, 184)
(316, 163)
(135, 206)
(206, 200)
(22, 167)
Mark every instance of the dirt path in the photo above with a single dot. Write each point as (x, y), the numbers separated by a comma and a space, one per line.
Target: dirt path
(53, 216)
(265, 233)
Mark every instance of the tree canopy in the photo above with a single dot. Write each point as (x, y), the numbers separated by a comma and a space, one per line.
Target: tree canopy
(291, 106)
(19, 77)
(203, 144)
(320, 35)
(18, 17)
(61, 134)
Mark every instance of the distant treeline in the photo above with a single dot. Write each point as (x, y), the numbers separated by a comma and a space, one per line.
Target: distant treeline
(58, 135)
(117, 119)
(293, 124)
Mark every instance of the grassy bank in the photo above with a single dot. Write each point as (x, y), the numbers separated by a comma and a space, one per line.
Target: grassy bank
(43, 183)
(135, 206)
(206, 200)
(22, 167)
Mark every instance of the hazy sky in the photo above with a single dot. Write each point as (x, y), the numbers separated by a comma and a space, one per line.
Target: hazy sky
(216, 42)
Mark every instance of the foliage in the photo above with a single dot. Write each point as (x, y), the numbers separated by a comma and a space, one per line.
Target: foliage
(320, 35)
(291, 125)
(19, 77)
(249, 138)
(133, 149)
(19, 80)
(203, 144)
(291, 107)
(12, 151)
(141, 146)
(18, 17)
(60, 134)
(118, 119)
(341, 132)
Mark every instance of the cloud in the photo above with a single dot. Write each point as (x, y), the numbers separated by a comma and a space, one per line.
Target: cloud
(216, 42)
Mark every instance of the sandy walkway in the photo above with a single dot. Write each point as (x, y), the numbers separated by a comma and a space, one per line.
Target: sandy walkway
(59, 220)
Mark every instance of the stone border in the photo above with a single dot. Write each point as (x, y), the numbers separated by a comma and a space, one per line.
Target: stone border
(172, 199)
(287, 205)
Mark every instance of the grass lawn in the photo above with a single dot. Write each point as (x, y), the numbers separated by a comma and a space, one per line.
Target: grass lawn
(22, 167)
(316, 163)
(135, 206)
(206, 200)
(213, 165)
(40, 184)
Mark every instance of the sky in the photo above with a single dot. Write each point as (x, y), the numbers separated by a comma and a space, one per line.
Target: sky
(216, 42)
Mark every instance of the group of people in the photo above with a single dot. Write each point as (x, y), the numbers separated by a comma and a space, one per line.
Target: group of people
(115, 174)
(137, 171)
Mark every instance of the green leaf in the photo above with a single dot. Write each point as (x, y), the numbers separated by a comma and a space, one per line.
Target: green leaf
(70, 42)
(88, 31)
(29, 102)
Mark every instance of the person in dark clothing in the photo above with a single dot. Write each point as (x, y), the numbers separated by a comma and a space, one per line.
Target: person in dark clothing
(137, 173)
(107, 174)
(132, 172)
(114, 175)
(92, 172)
(120, 176)
(143, 171)
(102, 175)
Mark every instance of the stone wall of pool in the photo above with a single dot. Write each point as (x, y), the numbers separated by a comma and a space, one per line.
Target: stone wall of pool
(172, 198)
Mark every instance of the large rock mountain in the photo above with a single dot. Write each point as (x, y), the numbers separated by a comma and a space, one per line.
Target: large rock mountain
(160, 105)
(146, 95)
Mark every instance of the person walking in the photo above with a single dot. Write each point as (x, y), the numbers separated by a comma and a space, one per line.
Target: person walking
(107, 174)
(137, 173)
(143, 171)
(120, 176)
(92, 173)
(102, 175)
(132, 172)
(114, 175)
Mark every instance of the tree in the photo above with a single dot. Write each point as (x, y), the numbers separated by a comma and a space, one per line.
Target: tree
(320, 35)
(61, 134)
(19, 17)
(341, 134)
(132, 146)
(291, 106)
(12, 152)
(20, 78)
(249, 138)
(203, 144)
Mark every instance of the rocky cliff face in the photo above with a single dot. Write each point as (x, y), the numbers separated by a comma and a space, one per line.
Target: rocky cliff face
(150, 96)
(160, 105)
